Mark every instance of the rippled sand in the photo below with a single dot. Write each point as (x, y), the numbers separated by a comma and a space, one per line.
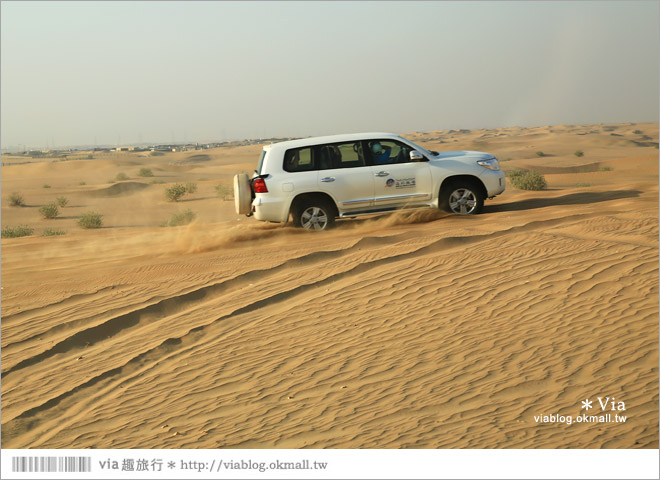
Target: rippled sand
(416, 330)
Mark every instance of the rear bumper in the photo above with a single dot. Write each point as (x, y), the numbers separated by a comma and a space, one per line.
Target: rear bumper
(267, 210)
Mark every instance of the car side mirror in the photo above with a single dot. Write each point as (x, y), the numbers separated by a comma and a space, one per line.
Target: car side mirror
(415, 156)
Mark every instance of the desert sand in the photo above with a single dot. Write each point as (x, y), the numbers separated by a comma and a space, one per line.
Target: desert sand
(414, 330)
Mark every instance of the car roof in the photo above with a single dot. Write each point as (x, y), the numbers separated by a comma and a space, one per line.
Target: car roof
(348, 137)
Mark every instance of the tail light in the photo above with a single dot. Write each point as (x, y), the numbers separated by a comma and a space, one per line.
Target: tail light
(259, 185)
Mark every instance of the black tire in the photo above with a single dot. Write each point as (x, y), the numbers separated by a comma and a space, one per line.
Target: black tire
(242, 194)
(462, 198)
(314, 214)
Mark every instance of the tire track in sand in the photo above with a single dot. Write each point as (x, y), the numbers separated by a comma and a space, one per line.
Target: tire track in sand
(440, 245)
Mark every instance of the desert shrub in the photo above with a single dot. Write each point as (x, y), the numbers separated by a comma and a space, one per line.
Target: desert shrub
(62, 201)
(121, 176)
(90, 220)
(527, 180)
(583, 185)
(578, 153)
(224, 191)
(82, 183)
(90, 156)
(156, 154)
(145, 172)
(15, 232)
(52, 232)
(175, 192)
(182, 218)
(50, 210)
(157, 182)
(638, 132)
(46, 185)
(191, 187)
(112, 180)
(540, 154)
(16, 200)
(605, 169)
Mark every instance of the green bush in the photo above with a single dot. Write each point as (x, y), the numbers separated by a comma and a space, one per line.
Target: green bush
(46, 185)
(175, 192)
(157, 182)
(50, 210)
(51, 232)
(145, 172)
(121, 176)
(527, 180)
(16, 200)
(182, 218)
(224, 191)
(90, 220)
(15, 232)
(606, 169)
(62, 201)
(540, 154)
(191, 187)
(82, 183)
(579, 153)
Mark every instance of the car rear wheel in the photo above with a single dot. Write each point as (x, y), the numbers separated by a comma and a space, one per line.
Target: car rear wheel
(462, 198)
(314, 215)
(242, 194)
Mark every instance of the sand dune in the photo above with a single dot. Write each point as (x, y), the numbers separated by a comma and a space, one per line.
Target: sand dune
(123, 188)
(414, 330)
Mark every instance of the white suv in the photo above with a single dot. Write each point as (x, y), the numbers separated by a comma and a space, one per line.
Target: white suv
(316, 180)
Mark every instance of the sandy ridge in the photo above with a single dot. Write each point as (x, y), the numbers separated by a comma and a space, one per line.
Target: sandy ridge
(438, 245)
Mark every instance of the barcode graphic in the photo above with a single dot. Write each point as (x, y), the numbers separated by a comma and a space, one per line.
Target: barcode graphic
(51, 464)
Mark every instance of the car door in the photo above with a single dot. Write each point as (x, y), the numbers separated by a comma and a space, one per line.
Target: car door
(345, 175)
(398, 181)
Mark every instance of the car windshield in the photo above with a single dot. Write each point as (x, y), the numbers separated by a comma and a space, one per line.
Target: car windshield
(420, 148)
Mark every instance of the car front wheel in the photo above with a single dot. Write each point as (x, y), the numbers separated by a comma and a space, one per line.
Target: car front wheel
(462, 198)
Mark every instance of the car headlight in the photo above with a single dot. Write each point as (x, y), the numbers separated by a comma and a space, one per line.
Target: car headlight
(491, 163)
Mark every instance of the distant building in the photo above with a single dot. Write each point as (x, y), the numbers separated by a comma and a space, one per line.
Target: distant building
(164, 148)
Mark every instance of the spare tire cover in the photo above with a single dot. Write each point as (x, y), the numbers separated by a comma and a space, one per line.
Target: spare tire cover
(242, 194)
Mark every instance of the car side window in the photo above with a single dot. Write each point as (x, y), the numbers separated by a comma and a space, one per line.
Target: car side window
(341, 155)
(388, 152)
(299, 160)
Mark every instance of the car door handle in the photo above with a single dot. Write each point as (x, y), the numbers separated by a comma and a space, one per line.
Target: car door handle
(382, 174)
(328, 179)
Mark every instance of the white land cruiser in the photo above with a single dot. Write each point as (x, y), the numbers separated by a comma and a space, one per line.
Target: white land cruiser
(316, 180)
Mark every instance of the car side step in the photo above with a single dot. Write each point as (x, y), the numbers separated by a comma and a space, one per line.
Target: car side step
(376, 211)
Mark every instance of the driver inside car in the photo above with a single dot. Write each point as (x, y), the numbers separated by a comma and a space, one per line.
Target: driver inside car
(380, 154)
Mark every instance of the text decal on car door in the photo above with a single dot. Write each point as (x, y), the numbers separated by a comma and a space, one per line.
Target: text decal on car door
(401, 183)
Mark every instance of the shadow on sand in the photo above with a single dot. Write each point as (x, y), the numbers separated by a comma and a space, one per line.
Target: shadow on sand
(582, 198)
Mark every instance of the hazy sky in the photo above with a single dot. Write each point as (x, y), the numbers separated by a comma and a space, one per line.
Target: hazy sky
(78, 73)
